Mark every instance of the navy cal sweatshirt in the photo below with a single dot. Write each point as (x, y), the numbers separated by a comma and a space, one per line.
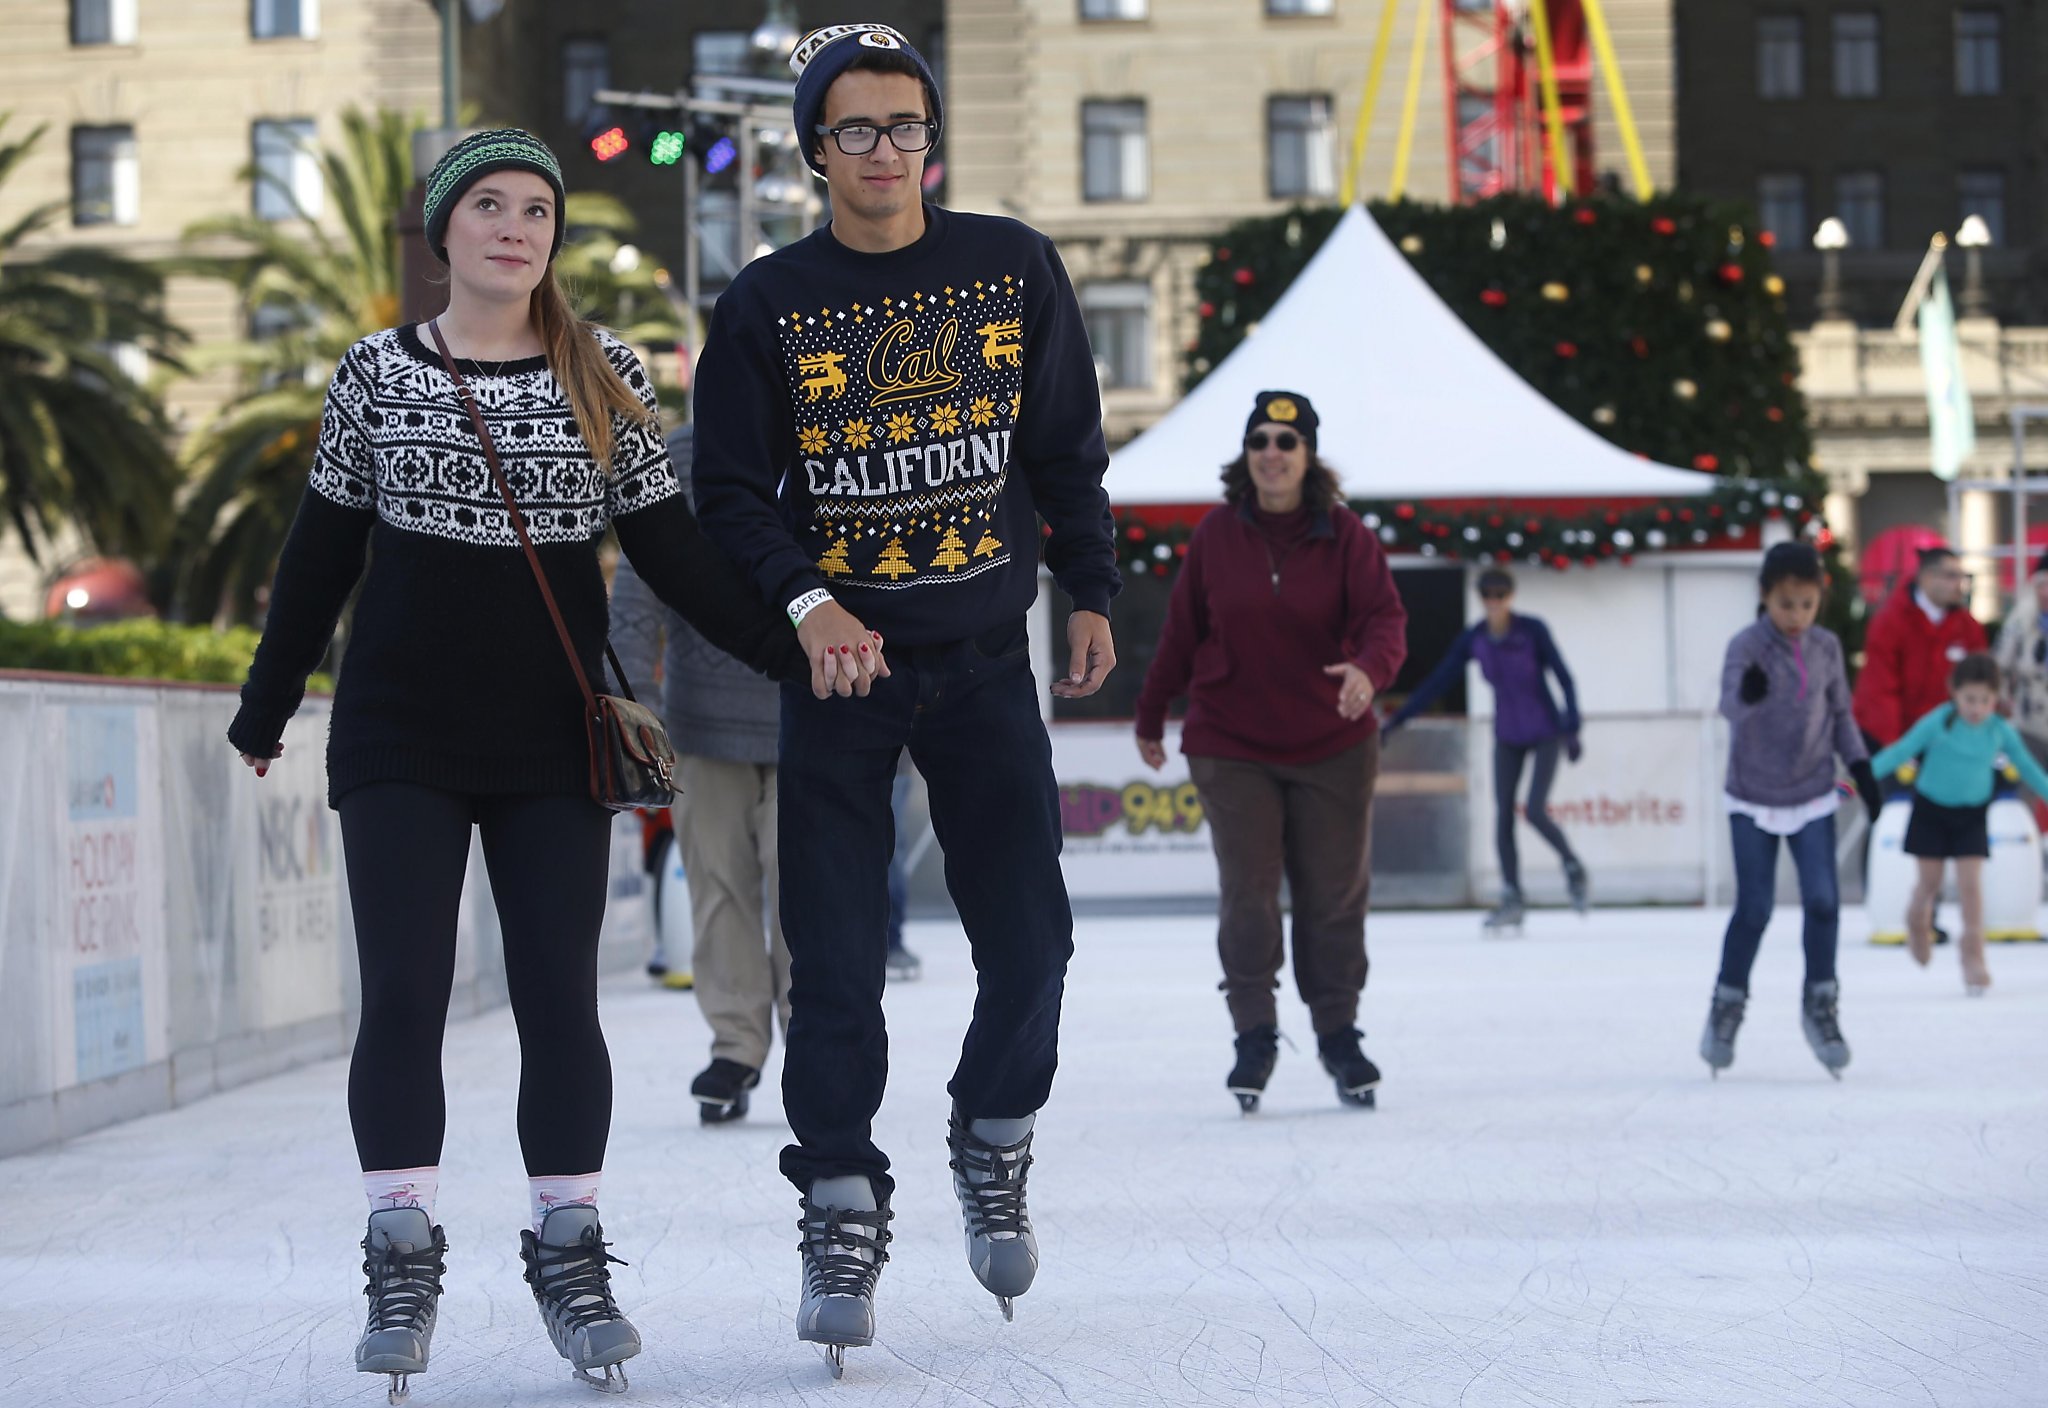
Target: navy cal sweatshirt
(892, 426)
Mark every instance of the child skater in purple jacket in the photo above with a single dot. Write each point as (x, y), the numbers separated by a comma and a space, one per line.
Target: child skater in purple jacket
(1514, 652)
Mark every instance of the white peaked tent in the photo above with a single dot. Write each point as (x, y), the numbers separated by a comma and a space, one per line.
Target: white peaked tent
(1412, 402)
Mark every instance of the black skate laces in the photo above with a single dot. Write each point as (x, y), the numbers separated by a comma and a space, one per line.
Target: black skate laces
(994, 1174)
(1821, 1012)
(1727, 1017)
(402, 1285)
(575, 1279)
(846, 1272)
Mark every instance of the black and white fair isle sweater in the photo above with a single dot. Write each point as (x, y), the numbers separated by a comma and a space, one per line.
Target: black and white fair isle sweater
(454, 677)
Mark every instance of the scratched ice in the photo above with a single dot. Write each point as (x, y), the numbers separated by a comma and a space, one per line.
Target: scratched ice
(1552, 1205)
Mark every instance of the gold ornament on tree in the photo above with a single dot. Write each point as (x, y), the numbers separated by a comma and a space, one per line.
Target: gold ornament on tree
(1685, 388)
(1556, 292)
(1717, 330)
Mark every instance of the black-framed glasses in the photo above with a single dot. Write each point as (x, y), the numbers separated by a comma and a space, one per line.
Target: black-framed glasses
(1285, 440)
(859, 138)
(1496, 594)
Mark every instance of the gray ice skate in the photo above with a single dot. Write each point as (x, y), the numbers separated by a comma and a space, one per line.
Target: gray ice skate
(1506, 917)
(904, 966)
(844, 1245)
(402, 1259)
(1575, 884)
(990, 1161)
(1823, 1031)
(570, 1273)
(1724, 1019)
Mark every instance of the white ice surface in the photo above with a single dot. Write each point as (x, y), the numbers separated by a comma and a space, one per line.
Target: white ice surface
(1553, 1205)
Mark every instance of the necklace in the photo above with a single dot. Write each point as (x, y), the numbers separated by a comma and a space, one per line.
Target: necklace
(485, 368)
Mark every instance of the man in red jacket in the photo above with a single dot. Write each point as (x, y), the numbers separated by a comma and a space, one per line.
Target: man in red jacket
(1914, 642)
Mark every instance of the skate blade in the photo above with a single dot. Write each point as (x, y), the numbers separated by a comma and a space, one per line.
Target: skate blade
(721, 1112)
(614, 1380)
(1008, 1307)
(835, 1355)
(1247, 1101)
(1366, 1099)
(399, 1389)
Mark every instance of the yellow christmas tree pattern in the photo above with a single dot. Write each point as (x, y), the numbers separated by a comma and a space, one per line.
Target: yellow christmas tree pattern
(834, 563)
(952, 554)
(894, 562)
(989, 545)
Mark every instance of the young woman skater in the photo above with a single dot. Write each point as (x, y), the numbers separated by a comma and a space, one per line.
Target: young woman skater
(456, 709)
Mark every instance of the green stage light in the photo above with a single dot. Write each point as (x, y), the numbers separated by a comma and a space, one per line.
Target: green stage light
(667, 148)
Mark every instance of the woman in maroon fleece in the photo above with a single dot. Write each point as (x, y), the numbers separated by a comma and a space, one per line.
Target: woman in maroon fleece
(1284, 626)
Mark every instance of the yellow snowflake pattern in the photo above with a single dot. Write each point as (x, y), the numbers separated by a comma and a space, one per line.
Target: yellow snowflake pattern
(901, 427)
(859, 434)
(812, 440)
(982, 411)
(945, 420)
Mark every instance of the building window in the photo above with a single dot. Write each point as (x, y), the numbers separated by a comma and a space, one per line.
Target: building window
(1982, 193)
(106, 178)
(1112, 9)
(1299, 7)
(284, 19)
(1859, 201)
(1115, 161)
(1856, 54)
(1301, 148)
(1781, 208)
(102, 21)
(288, 184)
(718, 51)
(1977, 53)
(586, 67)
(1780, 56)
(1119, 321)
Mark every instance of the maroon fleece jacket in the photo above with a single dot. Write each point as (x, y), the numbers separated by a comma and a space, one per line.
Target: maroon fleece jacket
(1250, 628)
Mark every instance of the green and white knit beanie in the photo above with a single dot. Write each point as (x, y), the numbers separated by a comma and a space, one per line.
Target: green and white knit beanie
(477, 156)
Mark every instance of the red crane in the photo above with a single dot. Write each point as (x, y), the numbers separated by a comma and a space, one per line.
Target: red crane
(1493, 90)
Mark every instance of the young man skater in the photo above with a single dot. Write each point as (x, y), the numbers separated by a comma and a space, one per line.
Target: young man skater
(919, 385)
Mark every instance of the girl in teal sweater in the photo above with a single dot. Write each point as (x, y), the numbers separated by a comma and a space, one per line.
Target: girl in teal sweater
(1957, 746)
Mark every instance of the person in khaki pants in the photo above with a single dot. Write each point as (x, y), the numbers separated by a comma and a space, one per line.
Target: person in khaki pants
(724, 720)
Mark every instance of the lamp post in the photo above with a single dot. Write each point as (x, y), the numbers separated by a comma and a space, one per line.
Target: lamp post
(1831, 239)
(1973, 237)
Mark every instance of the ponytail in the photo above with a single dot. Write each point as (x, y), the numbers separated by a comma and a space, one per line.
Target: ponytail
(593, 385)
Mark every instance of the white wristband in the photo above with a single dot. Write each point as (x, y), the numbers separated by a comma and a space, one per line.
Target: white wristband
(807, 603)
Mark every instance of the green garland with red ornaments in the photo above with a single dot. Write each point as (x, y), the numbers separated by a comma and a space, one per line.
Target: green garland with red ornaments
(1660, 326)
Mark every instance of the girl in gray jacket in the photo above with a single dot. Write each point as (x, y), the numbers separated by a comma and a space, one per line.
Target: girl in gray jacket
(1785, 694)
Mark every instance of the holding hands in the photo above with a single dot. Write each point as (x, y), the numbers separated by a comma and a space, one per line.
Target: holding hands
(846, 657)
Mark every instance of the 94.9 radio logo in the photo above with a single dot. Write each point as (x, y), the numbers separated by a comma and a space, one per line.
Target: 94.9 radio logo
(1089, 809)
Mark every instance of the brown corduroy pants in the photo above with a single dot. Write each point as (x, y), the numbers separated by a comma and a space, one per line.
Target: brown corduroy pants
(1311, 823)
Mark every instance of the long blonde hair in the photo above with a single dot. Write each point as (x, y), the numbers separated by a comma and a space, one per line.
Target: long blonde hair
(593, 385)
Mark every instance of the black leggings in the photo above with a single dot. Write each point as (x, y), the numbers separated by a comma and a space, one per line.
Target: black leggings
(1507, 780)
(406, 848)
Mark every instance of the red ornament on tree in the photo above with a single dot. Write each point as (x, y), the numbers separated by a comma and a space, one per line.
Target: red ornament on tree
(1567, 349)
(1729, 273)
(1766, 239)
(1708, 462)
(1640, 346)
(1663, 515)
(1585, 215)
(1207, 310)
(1493, 298)
(1405, 512)
(1242, 278)
(1774, 413)
(1136, 532)
(1533, 525)
(1713, 510)
(1664, 225)
(1222, 256)
(1493, 521)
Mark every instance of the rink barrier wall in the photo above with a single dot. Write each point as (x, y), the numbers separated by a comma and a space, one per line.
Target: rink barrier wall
(170, 926)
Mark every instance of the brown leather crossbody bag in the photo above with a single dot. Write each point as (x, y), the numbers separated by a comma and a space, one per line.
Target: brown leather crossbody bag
(632, 761)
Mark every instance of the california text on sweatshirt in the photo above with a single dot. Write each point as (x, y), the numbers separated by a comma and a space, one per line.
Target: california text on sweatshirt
(892, 427)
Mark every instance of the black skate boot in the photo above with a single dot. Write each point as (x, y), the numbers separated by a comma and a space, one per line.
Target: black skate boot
(989, 1163)
(1357, 1078)
(1258, 1051)
(570, 1273)
(1575, 884)
(904, 966)
(402, 1259)
(1724, 1019)
(845, 1238)
(1506, 917)
(1823, 1031)
(720, 1090)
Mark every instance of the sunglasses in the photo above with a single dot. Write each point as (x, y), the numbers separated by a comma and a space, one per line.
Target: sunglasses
(1286, 440)
(1495, 596)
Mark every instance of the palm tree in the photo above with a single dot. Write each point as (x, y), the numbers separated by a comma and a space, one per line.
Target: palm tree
(80, 441)
(609, 281)
(322, 288)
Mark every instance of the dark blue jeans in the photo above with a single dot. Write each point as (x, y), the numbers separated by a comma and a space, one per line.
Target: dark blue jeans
(1756, 884)
(968, 713)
